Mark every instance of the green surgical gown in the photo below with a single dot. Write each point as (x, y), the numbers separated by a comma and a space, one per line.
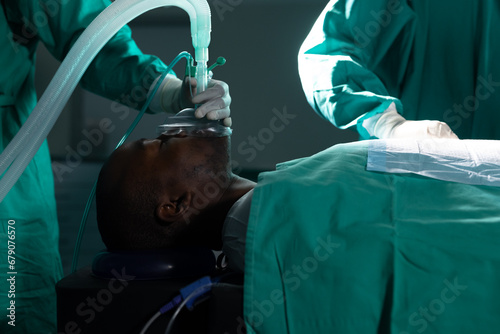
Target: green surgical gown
(334, 248)
(30, 206)
(436, 60)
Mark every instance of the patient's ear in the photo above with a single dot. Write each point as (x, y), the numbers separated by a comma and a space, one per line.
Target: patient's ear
(172, 209)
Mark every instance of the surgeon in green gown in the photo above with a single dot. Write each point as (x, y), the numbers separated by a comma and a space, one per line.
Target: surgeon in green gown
(403, 68)
(28, 213)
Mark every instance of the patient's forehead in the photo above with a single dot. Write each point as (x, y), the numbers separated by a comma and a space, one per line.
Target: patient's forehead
(131, 152)
(169, 155)
(146, 157)
(124, 163)
(124, 156)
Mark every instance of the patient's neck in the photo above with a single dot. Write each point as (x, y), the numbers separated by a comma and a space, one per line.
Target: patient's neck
(211, 221)
(238, 187)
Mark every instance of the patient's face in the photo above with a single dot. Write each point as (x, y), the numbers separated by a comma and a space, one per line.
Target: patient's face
(170, 185)
(171, 159)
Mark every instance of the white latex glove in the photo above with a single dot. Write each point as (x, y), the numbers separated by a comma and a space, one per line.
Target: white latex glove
(174, 95)
(390, 124)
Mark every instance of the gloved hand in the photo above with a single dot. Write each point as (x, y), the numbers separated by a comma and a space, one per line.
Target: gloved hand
(390, 124)
(174, 95)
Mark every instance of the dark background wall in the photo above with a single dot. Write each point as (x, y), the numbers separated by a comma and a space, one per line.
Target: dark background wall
(260, 40)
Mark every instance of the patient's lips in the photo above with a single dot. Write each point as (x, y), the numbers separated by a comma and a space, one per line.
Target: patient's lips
(179, 134)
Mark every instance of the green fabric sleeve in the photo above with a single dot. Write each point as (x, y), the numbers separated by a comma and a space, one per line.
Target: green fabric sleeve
(119, 72)
(343, 65)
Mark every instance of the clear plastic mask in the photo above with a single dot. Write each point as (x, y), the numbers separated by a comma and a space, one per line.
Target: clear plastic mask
(185, 121)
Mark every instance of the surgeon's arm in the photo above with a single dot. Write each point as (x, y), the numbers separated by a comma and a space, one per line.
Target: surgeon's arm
(344, 67)
(120, 71)
(390, 124)
(174, 95)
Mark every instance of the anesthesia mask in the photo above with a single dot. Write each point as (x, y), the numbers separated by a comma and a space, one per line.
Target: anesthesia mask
(185, 121)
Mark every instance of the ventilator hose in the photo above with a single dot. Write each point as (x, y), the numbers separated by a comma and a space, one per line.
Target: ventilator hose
(30, 137)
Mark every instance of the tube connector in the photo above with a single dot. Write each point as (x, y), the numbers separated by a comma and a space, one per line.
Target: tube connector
(201, 54)
(201, 76)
